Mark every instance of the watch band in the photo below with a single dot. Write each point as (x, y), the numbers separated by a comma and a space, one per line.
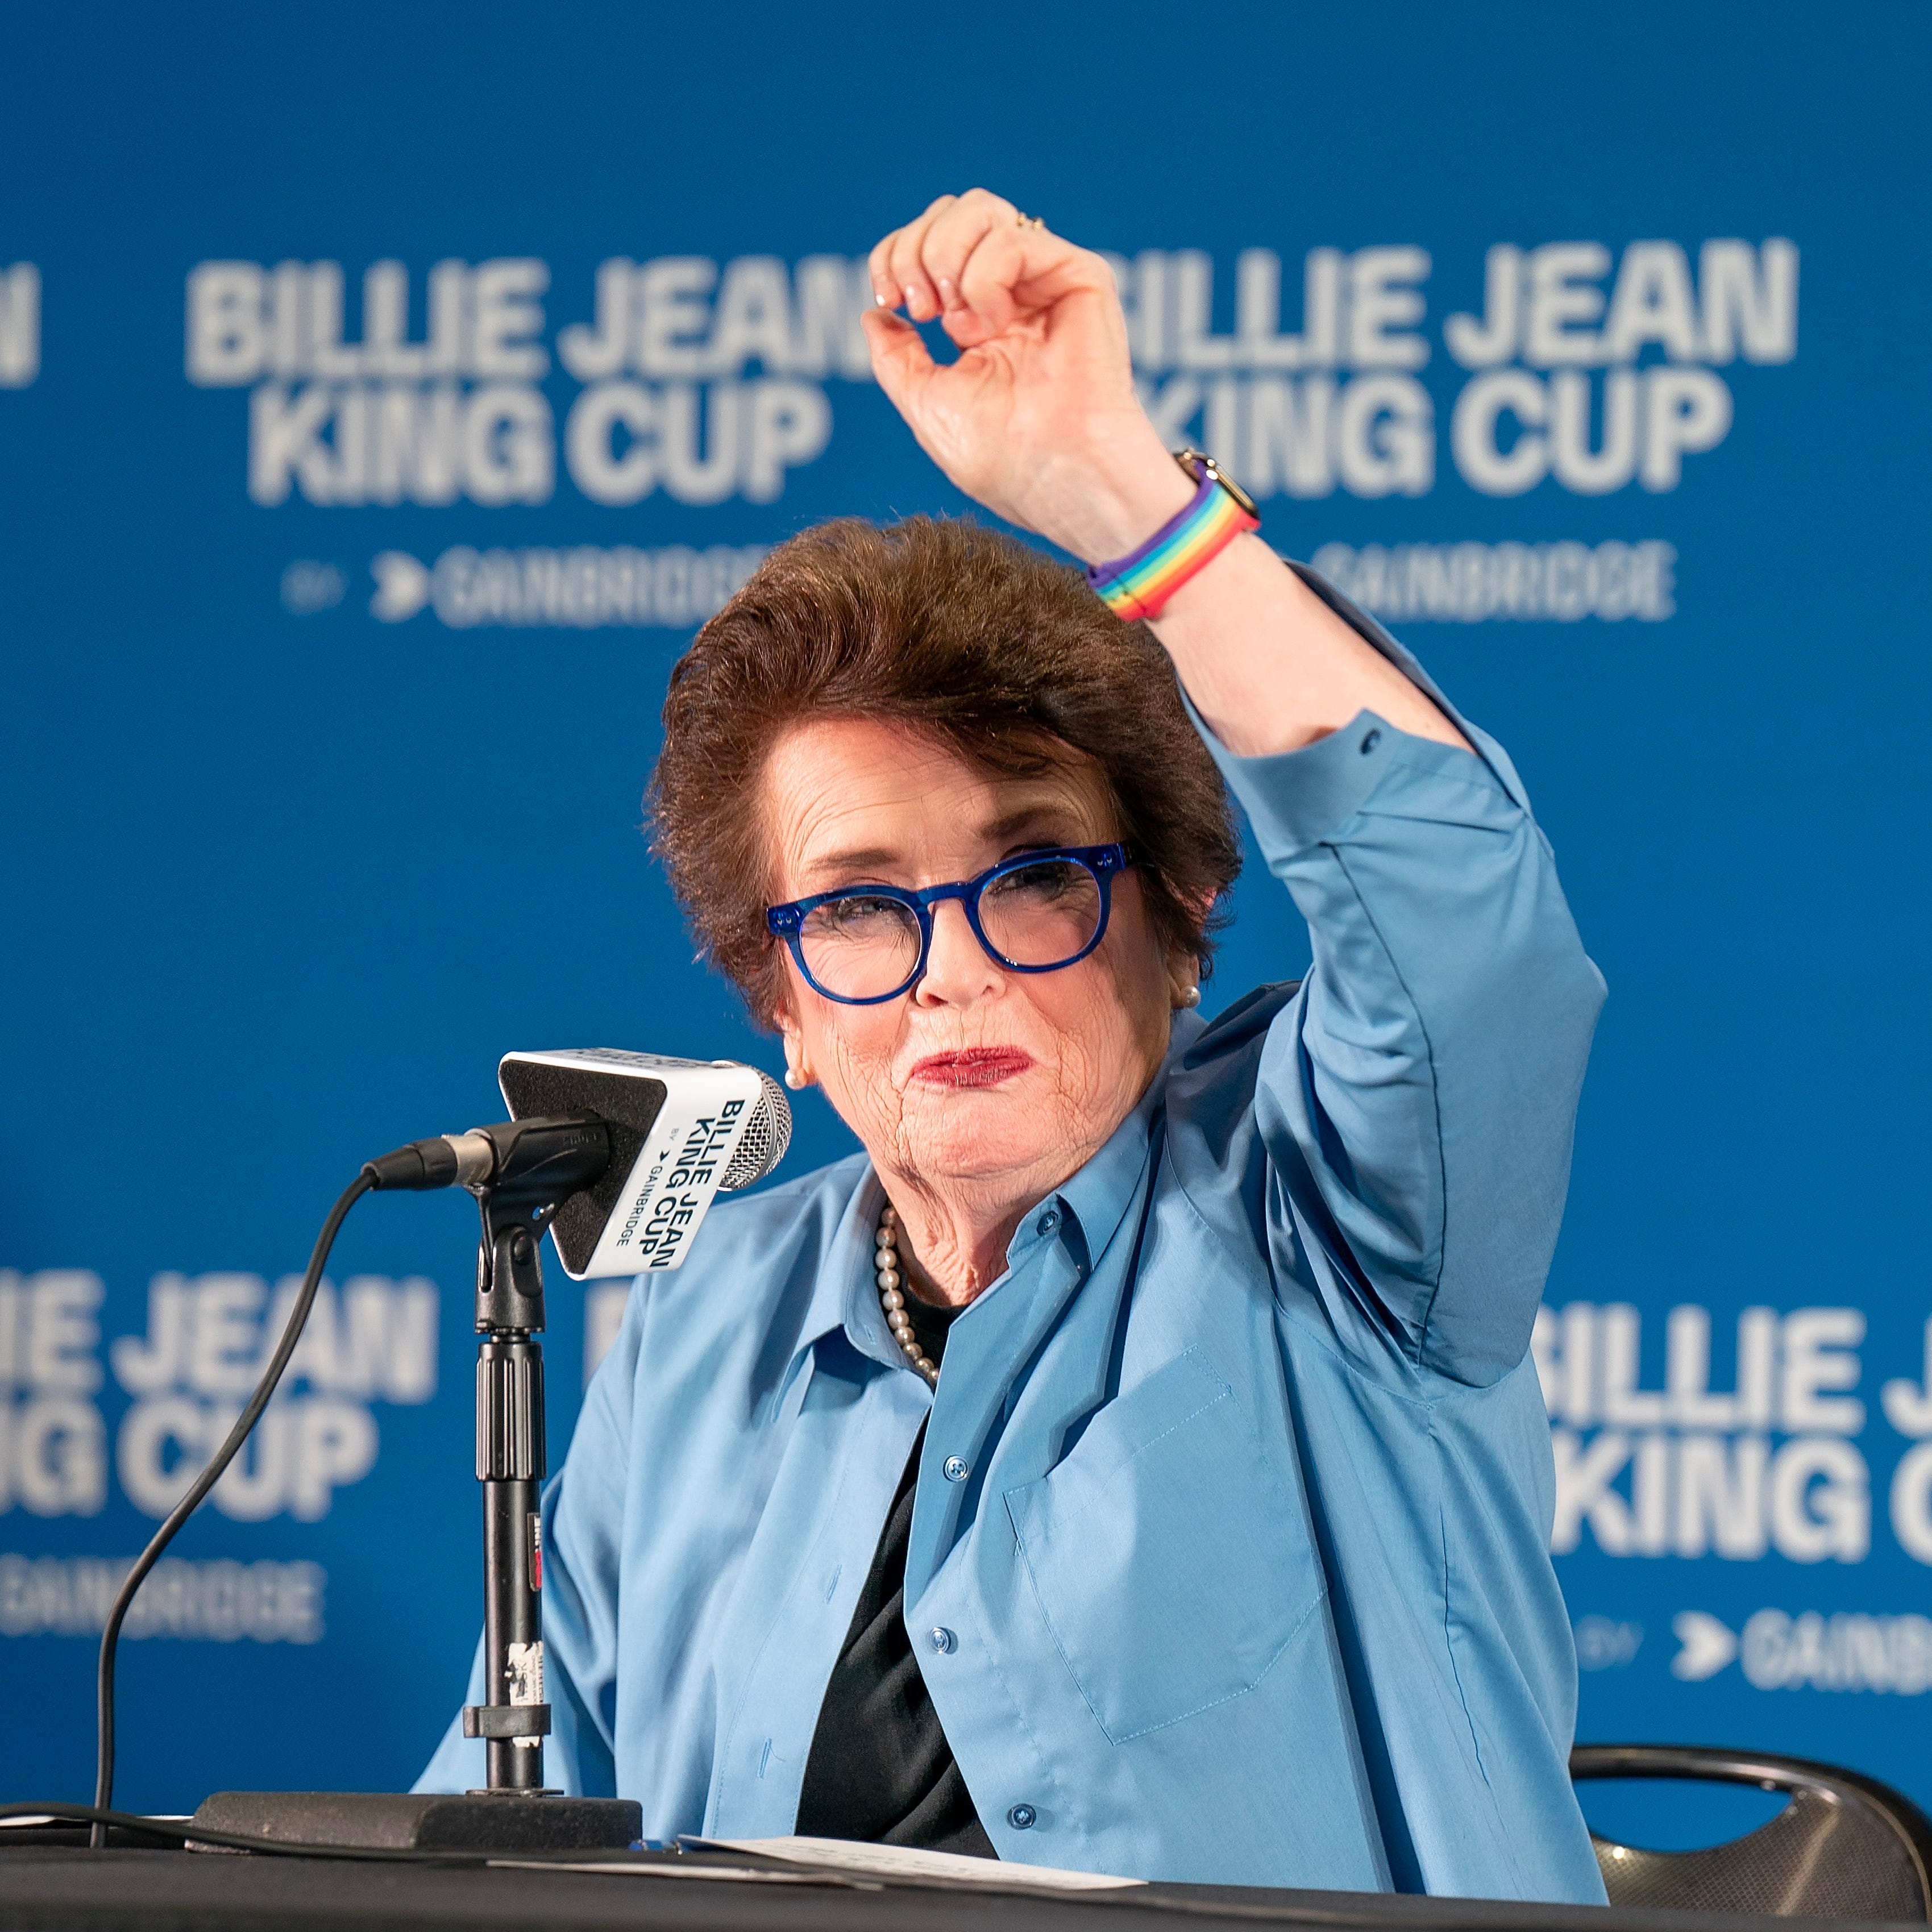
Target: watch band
(1139, 584)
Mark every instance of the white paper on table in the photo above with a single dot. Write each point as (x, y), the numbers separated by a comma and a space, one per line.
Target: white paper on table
(664, 1868)
(848, 1854)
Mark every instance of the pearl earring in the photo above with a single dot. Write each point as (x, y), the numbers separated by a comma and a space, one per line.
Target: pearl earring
(1190, 996)
(795, 1080)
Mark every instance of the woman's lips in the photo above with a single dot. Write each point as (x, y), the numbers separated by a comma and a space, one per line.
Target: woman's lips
(972, 1067)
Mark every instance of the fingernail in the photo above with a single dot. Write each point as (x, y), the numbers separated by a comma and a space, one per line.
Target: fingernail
(948, 294)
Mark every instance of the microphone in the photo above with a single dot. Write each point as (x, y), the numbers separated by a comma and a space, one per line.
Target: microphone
(620, 1155)
(634, 1146)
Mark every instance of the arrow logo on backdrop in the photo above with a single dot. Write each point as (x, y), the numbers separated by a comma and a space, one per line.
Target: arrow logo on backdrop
(1708, 1646)
(402, 586)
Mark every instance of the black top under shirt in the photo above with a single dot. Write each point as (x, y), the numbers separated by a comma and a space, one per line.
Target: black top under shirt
(880, 1767)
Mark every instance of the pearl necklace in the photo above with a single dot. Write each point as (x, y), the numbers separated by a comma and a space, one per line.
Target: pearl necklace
(893, 1294)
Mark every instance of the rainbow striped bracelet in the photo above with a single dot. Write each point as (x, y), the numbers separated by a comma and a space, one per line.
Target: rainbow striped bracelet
(1139, 584)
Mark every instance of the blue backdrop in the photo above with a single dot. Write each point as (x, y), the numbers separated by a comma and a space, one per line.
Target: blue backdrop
(385, 393)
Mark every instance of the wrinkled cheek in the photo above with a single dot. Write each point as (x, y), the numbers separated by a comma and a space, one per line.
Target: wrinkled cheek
(1083, 1080)
(860, 1087)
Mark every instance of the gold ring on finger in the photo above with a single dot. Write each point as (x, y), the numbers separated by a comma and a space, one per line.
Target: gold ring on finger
(1027, 221)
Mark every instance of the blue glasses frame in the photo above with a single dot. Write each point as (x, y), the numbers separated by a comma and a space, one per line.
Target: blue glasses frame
(1104, 862)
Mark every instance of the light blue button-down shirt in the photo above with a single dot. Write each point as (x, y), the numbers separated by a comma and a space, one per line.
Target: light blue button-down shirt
(1246, 1576)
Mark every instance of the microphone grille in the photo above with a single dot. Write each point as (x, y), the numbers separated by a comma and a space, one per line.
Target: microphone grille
(766, 1135)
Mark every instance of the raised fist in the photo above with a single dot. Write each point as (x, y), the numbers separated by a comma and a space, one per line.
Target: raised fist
(1037, 418)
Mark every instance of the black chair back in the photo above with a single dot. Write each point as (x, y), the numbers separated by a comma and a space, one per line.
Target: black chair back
(1845, 1846)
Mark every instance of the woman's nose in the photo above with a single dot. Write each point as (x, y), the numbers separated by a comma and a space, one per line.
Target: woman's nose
(959, 970)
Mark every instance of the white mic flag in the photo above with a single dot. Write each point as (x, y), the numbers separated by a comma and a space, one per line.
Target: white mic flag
(682, 1132)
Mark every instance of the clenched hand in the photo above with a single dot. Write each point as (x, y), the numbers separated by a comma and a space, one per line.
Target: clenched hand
(1037, 418)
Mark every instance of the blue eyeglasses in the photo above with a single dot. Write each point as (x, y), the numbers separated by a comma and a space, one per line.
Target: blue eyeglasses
(1034, 912)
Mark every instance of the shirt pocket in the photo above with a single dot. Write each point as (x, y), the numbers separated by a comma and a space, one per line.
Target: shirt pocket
(1168, 1560)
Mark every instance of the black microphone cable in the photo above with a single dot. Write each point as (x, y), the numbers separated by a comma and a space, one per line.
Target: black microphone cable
(110, 1637)
(420, 1167)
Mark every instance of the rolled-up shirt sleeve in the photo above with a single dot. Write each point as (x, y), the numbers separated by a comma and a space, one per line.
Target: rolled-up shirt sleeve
(1424, 1082)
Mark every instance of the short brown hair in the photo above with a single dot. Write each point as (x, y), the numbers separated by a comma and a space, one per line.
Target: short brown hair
(952, 629)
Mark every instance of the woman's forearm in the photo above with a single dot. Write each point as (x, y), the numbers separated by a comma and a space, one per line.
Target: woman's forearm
(1272, 668)
(1268, 665)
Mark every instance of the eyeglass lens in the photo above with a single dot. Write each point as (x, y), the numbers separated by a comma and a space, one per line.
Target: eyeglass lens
(863, 945)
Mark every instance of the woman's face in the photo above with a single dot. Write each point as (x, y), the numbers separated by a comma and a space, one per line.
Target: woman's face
(979, 1076)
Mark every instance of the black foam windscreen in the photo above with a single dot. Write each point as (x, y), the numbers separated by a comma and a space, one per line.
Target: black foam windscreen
(629, 1103)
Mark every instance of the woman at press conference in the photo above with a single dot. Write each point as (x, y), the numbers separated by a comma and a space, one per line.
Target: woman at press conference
(1130, 1461)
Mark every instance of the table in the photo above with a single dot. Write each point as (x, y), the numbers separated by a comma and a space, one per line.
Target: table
(51, 1888)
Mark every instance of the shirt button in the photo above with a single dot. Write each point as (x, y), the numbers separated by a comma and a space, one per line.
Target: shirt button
(941, 1638)
(955, 1470)
(1370, 743)
(1049, 1221)
(1022, 1817)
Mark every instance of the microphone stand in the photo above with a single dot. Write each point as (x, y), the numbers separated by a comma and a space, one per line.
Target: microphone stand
(510, 1465)
(515, 1811)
